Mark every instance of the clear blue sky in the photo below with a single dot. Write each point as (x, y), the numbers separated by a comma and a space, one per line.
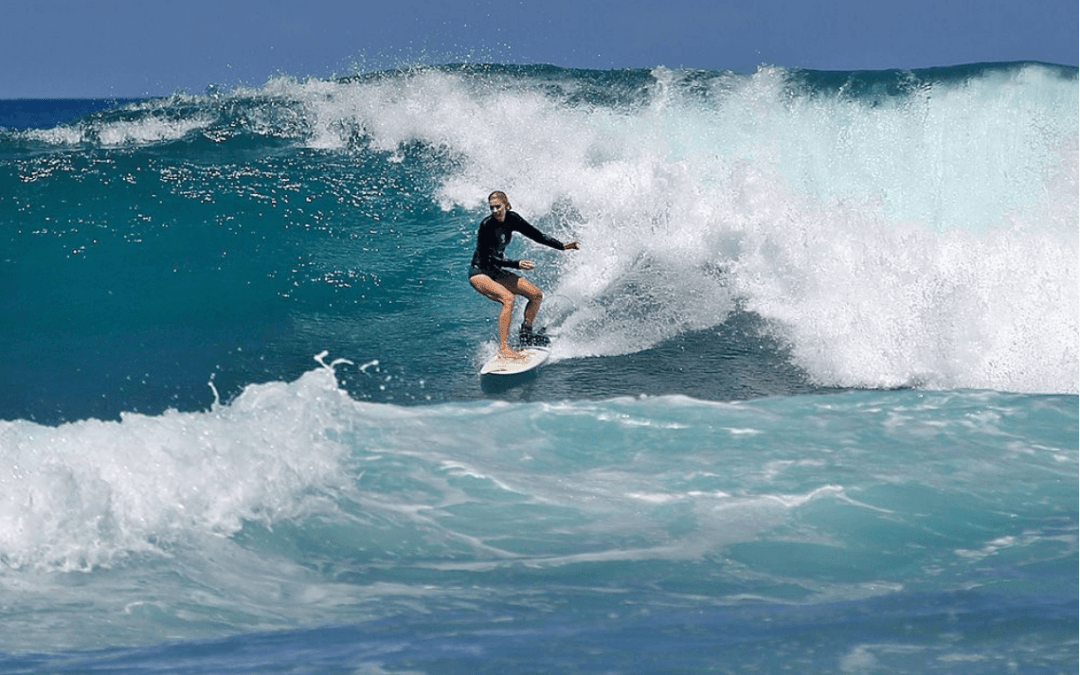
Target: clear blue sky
(105, 48)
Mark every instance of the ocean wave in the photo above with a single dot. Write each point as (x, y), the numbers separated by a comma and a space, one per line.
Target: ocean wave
(294, 505)
(453, 481)
(898, 228)
(91, 494)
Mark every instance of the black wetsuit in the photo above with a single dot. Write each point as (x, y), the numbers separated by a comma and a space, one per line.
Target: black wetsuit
(492, 238)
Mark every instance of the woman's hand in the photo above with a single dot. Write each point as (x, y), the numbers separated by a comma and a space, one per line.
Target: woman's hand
(526, 265)
(572, 245)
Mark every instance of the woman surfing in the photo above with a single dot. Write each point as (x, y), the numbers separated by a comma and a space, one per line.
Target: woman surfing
(489, 273)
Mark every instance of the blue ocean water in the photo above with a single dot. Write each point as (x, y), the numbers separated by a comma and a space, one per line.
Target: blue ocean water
(812, 404)
(44, 113)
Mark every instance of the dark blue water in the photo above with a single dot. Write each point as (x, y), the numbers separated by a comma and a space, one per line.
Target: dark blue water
(44, 113)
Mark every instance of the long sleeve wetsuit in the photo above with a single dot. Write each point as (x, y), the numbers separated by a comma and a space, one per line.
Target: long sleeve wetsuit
(492, 238)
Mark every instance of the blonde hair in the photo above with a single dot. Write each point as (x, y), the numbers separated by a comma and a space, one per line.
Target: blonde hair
(499, 194)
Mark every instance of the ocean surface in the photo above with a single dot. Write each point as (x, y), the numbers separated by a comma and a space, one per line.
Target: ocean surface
(812, 405)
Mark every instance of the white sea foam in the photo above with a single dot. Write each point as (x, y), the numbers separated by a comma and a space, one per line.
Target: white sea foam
(84, 494)
(925, 240)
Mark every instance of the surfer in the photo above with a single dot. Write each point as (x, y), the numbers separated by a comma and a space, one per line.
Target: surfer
(489, 276)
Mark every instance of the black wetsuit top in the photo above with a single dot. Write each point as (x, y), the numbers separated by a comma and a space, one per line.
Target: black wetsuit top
(492, 238)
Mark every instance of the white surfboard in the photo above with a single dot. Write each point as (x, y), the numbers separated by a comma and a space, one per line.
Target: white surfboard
(534, 357)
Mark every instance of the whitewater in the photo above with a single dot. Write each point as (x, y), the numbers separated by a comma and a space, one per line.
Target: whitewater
(812, 402)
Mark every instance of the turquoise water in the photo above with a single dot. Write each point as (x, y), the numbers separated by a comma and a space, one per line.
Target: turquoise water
(812, 403)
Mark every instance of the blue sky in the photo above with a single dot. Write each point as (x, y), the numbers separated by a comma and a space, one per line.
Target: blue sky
(105, 48)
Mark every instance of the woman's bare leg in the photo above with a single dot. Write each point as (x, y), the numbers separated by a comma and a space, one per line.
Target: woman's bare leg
(500, 292)
(534, 295)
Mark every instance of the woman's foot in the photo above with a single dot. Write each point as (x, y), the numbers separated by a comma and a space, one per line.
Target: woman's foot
(511, 354)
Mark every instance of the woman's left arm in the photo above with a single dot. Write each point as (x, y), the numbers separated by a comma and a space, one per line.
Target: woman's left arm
(521, 225)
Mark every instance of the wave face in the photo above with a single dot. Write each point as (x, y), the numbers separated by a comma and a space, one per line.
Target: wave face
(811, 406)
(886, 229)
